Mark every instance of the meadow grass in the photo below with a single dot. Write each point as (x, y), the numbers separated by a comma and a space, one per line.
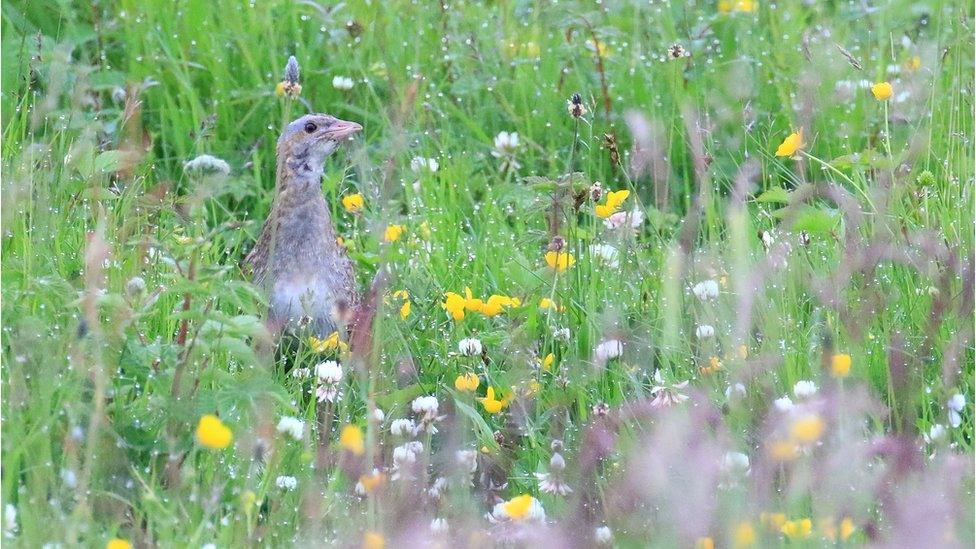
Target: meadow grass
(126, 316)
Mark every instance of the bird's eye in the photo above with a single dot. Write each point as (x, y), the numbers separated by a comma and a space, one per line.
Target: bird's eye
(310, 127)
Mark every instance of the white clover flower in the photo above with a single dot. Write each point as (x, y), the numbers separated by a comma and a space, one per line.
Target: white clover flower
(406, 454)
(403, 427)
(804, 389)
(783, 404)
(704, 331)
(735, 390)
(706, 289)
(436, 489)
(419, 163)
(505, 146)
(329, 372)
(603, 535)
(736, 462)
(632, 219)
(286, 483)
(667, 394)
(607, 350)
(135, 286)
(561, 334)
(206, 163)
(469, 346)
(10, 528)
(956, 404)
(936, 432)
(343, 83)
(209, 546)
(467, 460)
(292, 426)
(607, 254)
(378, 415)
(438, 526)
(425, 407)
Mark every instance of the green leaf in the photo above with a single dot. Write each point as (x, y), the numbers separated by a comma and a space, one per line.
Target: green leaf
(479, 422)
(399, 398)
(776, 195)
(816, 221)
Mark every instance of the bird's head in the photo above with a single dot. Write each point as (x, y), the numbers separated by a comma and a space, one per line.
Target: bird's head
(310, 139)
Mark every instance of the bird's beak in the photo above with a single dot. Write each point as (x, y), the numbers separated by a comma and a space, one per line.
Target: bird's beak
(342, 129)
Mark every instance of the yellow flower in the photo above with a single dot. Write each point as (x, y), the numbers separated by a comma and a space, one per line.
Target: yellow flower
(288, 88)
(351, 438)
(533, 389)
(560, 261)
(744, 535)
(773, 521)
(840, 365)
(807, 429)
(373, 540)
(331, 343)
(797, 529)
(393, 233)
(401, 294)
(598, 47)
(454, 304)
(913, 63)
(881, 91)
(614, 200)
(847, 525)
(714, 365)
(546, 303)
(212, 433)
(466, 382)
(490, 403)
(353, 202)
(830, 530)
(371, 482)
(518, 507)
(405, 310)
(248, 499)
(548, 362)
(705, 543)
(782, 450)
(496, 304)
(791, 144)
(743, 352)
(118, 543)
(745, 6)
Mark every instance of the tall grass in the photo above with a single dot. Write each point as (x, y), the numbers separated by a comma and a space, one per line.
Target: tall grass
(126, 316)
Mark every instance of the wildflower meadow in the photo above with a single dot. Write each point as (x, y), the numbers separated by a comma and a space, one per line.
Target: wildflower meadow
(627, 274)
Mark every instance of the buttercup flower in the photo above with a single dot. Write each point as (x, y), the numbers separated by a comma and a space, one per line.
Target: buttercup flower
(743, 6)
(331, 343)
(351, 439)
(373, 540)
(840, 365)
(466, 383)
(118, 543)
(212, 433)
(791, 144)
(744, 535)
(454, 304)
(807, 429)
(393, 233)
(797, 529)
(548, 361)
(490, 403)
(560, 261)
(369, 483)
(612, 204)
(353, 202)
(519, 508)
(882, 91)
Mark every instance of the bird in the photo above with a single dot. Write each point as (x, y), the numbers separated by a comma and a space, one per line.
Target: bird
(297, 260)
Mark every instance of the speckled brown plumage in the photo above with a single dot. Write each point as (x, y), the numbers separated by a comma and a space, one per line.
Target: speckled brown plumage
(308, 277)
